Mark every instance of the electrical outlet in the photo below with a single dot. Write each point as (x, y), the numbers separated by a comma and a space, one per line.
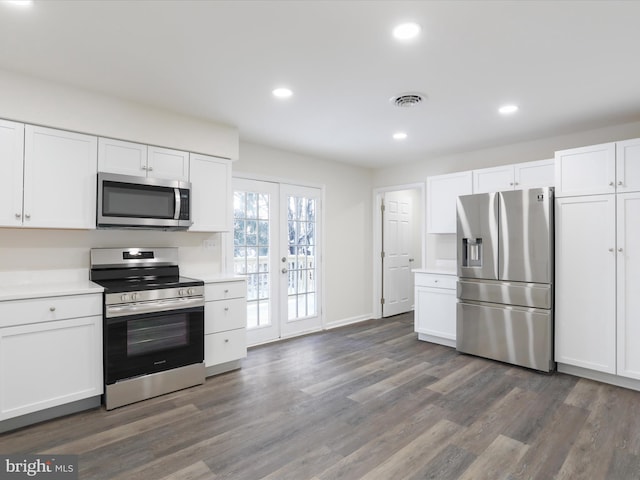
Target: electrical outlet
(208, 244)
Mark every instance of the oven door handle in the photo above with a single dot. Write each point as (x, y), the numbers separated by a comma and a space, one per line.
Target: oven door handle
(156, 306)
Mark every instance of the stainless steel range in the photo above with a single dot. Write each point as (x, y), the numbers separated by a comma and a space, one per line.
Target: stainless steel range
(153, 323)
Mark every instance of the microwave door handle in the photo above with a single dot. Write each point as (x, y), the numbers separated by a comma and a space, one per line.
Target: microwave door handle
(176, 213)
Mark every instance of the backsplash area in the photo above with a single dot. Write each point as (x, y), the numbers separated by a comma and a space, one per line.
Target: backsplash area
(40, 249)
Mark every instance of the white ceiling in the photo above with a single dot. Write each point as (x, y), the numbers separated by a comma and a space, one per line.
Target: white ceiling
(569, 65)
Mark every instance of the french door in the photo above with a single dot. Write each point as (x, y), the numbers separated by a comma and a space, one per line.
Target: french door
(276, 245)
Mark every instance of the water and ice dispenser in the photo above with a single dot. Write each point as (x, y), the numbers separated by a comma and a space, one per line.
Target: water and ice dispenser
(472, 252)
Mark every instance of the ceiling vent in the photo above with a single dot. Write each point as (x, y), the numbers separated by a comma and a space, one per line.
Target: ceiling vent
(408, 100)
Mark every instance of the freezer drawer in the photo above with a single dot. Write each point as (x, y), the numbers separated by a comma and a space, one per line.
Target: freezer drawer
(536, 295)
(521, 336)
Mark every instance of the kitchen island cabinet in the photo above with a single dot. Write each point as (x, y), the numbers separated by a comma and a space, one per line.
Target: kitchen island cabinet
(225, 321)
(50, 357)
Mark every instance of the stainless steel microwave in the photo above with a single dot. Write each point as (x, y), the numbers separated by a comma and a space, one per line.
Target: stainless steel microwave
(138, 202)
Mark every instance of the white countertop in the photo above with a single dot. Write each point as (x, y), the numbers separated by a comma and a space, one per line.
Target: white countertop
(218, 277)
(25, 284)
(39, 290)
(435, 270)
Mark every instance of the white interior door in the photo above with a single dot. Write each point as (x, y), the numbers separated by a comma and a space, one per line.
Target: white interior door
(276, 246)
(397, 288)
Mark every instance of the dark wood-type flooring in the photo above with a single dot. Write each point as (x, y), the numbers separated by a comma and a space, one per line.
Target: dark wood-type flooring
(367, 401)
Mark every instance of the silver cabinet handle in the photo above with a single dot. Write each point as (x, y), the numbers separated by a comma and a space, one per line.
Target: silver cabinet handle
(226, 340)
(611, 249)
(52, 309)
(226, 309)
(620, 249)
(284, 270)
(27, 215)
(18, 215)
(511, 183)
(143, 167)
(284, 259)
(620, 183)
(611, 184)
(149, 168)
(226, 290)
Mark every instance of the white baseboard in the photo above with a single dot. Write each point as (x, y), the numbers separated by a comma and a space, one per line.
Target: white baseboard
(600, 376)
(348, 321)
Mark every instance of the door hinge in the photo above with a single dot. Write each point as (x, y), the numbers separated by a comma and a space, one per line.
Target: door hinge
(382, 254)
(382, 301)
(382, 208)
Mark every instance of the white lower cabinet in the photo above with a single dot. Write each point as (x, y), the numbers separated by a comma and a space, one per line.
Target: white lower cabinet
(435, 308)
(50, 352)
(225, 320)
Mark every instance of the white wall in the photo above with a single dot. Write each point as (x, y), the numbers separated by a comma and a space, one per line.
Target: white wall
(30, 100)
(514, 153)
(347, 228)
(39, 102)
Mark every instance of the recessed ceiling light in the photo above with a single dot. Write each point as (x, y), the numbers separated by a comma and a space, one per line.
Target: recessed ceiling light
(406, 31)
(399, 136)
(282, 93)
(507, 109)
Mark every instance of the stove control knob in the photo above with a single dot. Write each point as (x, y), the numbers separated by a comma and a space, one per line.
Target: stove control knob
(191, 291)
(124, 297)
(181, 292)
(134, 296)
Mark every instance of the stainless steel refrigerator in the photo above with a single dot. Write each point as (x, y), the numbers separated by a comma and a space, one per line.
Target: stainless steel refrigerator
(505, 276)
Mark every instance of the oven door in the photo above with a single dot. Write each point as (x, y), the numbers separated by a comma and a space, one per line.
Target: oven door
(144, 343)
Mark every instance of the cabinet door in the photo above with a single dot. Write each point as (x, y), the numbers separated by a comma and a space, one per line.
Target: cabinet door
(210, 194)
(11, 164)
(48, 364)
(585, 289)
(125, 158)
(628, 166)
(167, 164)
(59, 179)
(534, 174)
(435, 314)
(628, 313)
(586, 171)
(495, 179)
(442, 194)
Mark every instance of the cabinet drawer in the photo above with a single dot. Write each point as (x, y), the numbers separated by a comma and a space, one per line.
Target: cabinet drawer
(224, 347)
(435, 281)
(22, 312)
(224, 290)
(225, 315)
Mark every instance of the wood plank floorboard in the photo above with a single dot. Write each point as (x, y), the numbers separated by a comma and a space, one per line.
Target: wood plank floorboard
(364, 401)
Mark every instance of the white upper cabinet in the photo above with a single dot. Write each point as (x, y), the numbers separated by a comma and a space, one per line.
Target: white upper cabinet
(494, 179)
(125, 158)
(59, 179)
(11, 170)
(167, 164)
(540, 173)
(129, 158)
(628, 166)
(586, 170)
(210, 193)
(514, 177)
(442, 193)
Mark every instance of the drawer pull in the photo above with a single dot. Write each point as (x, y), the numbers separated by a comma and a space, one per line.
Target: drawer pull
(52, 309)
(226, 340)
(226, 290)
(226, 309)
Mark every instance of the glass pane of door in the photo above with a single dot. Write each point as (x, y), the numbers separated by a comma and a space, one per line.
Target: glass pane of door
(300, 229)
(254, 206)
